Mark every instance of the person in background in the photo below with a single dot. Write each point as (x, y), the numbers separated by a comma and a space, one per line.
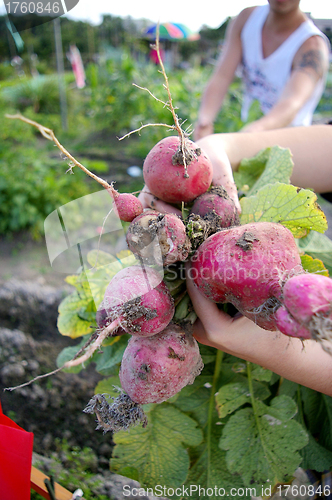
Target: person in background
(285, 59)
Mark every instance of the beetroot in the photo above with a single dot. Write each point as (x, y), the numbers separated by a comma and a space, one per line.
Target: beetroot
(247, 266)
(172, 179)
(217, 201)
(289, 326)
(140, 299)
(158, 238)
(127, 206)
(308, 295)
(153, 369)
(307, 311)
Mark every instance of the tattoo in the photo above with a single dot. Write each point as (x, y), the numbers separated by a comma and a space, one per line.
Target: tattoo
(311, 60)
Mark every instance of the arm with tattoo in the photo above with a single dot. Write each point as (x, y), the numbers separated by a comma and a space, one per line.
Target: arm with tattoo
(310, 64)
(313, 63)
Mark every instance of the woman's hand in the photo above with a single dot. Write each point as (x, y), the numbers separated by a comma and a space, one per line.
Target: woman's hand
(213, 146)
(304, 363)
(148, 200)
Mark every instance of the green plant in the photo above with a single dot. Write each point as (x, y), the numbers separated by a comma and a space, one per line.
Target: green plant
(32, 184)
(41, 93)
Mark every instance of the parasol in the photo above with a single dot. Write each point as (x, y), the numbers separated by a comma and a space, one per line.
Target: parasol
(170, 31)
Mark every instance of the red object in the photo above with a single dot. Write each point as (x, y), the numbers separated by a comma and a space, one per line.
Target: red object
(15, 460)
(75, 59)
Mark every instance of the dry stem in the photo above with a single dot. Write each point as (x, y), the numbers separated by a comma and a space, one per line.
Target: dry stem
(170, 101)
(97, 337)
(166, 86)
(170, 127)
(49, 134)
(169, 106)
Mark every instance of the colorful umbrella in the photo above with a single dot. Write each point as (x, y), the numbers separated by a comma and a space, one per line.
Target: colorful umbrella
(170, 31)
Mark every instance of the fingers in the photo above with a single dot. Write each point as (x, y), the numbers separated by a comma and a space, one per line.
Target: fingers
(148, 200)
(213, 146)
(231, 189)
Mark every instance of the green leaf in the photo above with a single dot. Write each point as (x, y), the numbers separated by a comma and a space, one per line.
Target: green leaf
(315, 456)
(208, 354)
(250, 169)
(262, 444)
(157, 451)
(287, 388)
(106, 386)
(231, 396)
(295, 208)
(72, 279)
(312, 265)
(110, 356)
(68, 353)
(69, 321)
(209, 469)
(261, 374)
(319, 246)
(195, 398)
(267, 167)
(317, 408)
(99, 258)
(104, 267)
(209, 472)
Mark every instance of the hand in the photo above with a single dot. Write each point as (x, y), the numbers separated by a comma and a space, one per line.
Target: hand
(306, 365)
(213, 146)
(148, 200)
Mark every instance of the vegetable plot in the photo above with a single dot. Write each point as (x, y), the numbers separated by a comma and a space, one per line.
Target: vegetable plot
(198, 416)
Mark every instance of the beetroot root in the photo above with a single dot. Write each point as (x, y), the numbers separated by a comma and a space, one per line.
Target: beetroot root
(154, 369)
(219, 202)
(169, 179)
(247, 266)
(140, 299)
(158, 238)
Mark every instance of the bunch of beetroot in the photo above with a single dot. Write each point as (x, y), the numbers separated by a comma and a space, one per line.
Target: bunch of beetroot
(162, 356)
(256, 267)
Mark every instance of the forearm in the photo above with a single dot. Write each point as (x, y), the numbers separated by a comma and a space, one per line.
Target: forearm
(288, 357)
(306, 364)
(212, 100)
(311, 149)
(281, 115)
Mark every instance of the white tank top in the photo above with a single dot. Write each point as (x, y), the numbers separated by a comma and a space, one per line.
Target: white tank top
(265, 79)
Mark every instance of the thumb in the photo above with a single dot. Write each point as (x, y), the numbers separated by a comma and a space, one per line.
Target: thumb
(210, 316)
